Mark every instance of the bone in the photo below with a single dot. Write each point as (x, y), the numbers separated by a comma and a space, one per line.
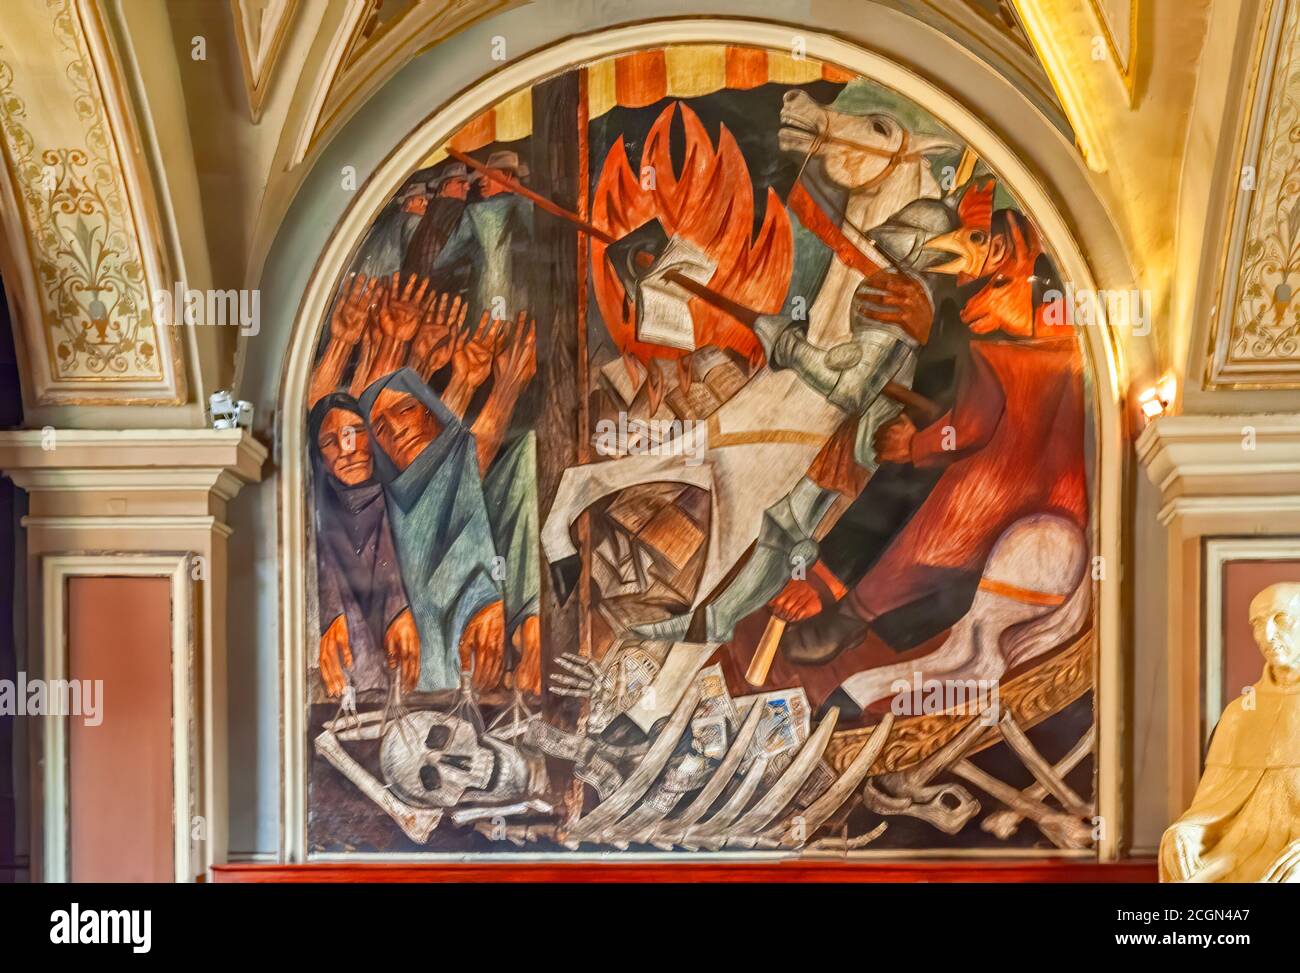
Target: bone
(416, 823)
(706, 831)
(1043, 772)
(1003, 823)
(668, 833)
(817, 813)
(517, 834)
(747, 830)
(1061, 829)
(843, 844)
(471, 814)
(947, 807)
(632, 789)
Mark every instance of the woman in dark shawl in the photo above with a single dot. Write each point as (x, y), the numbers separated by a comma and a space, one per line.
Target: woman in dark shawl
(428, 464)
(363, 611)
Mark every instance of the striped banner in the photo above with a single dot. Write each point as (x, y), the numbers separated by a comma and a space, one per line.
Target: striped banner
(645, 77)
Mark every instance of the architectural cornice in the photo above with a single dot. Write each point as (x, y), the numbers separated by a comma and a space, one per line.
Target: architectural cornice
(129, 458)
(1193, 460)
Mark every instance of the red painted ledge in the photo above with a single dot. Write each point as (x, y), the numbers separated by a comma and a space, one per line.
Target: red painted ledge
(1044, 870)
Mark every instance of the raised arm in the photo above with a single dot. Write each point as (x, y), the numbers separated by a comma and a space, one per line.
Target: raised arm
(471, 363)
(435, 340)
(401, 309)
(512, 369)
(347, 324)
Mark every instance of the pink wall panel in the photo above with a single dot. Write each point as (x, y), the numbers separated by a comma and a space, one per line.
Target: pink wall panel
(120, 772)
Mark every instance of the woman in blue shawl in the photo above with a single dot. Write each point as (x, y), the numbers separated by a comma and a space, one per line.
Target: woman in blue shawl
(364, 619)
(428, 464)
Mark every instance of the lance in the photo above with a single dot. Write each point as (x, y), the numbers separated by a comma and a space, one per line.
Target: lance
(919, 408)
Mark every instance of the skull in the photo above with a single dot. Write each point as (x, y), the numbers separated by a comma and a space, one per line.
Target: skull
(431, 759)
(439, 760)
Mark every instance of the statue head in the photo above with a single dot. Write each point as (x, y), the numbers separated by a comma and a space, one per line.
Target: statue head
(1275, 622)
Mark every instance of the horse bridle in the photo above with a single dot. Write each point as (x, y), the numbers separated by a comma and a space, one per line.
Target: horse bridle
(896, 156)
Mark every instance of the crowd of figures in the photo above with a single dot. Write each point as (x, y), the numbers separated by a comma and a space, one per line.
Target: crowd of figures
(425, 493)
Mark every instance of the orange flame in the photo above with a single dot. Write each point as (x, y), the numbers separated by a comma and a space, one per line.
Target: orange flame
(709, 203)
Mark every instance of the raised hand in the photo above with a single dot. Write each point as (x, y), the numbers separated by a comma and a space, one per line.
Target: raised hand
(471, 361)
(402, 307)
(516, 362)
(433, 344)
(352, 309)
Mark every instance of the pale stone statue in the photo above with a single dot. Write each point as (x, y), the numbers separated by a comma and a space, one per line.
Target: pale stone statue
(1244, 823)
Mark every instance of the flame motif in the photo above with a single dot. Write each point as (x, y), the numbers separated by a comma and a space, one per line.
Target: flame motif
(709, 203)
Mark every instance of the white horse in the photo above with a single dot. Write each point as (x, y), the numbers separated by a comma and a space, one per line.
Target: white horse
(762, 440)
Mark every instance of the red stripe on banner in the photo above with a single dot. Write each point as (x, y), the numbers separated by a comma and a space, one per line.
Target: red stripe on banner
(831, 73)
(746, 67)
(641, 79)
(477, 133)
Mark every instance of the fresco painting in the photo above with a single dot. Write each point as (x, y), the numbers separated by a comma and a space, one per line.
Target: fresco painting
(701, 462)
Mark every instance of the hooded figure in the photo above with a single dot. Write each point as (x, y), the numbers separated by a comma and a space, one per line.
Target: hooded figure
(356, 565)
(439, 522)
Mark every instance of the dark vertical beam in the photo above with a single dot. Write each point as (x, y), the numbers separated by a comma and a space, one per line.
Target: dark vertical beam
(557, 296)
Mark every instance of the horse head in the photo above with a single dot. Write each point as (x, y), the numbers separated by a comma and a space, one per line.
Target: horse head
(871, 155)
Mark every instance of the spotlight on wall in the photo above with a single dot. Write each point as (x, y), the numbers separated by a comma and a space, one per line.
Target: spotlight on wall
(1156, 400)
(226, 413)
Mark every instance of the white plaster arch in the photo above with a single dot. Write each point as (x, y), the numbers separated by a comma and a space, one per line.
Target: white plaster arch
(1041, 167)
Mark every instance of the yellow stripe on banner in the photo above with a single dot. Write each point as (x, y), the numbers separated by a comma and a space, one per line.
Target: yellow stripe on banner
(696, 69)
(784, 69)
(1016, 593)
(515, 116)
(602, 91)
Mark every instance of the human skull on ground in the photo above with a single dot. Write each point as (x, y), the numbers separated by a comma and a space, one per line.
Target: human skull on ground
(437, 760)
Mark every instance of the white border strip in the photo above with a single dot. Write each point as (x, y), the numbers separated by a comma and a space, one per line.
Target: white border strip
(1107, 367)
(55, 572)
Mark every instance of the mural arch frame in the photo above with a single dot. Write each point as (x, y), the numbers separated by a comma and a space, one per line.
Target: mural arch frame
(1056, 218)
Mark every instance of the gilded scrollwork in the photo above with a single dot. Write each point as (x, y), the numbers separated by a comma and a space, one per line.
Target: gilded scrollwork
(1030, 698)
(1259, 314)
(89, 282)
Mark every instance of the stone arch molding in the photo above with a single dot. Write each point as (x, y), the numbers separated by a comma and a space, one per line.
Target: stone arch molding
(1043, 169)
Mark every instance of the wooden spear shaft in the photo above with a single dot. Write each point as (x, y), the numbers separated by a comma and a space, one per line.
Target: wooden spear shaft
(921, 409)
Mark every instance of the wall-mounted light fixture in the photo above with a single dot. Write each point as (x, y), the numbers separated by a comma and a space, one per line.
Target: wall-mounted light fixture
(1156, 400)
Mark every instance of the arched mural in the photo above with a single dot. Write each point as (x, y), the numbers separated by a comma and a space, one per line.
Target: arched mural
(700, 461)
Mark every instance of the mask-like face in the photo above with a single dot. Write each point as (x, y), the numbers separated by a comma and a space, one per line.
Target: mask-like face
(455, 188)
(345, 446)
(492, 187)
(967, 248)
(1276, 626)
(437, 760)
(402, 425)
(431, 759)
(1006, 302)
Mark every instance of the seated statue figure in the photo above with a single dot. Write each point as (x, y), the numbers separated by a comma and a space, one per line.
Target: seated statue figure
(1244, 822)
